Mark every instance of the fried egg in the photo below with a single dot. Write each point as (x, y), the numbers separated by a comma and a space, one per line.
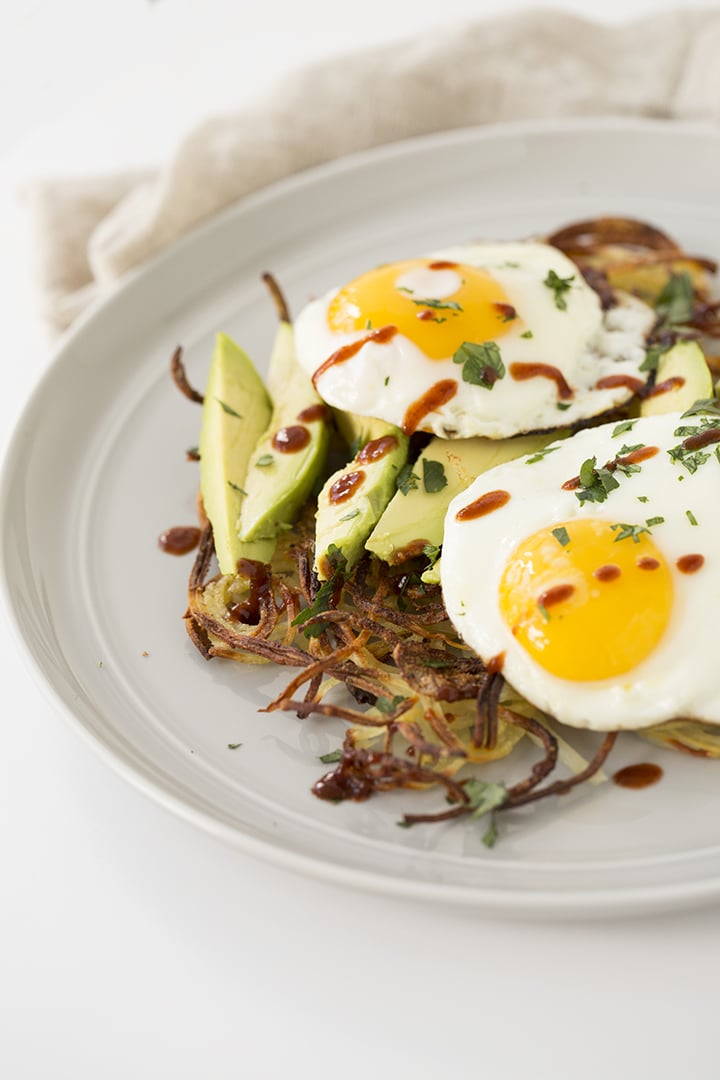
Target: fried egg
(484, 339)
(589, 572)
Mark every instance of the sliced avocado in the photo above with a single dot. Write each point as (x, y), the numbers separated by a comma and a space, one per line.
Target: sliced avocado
(279, 480)
(353, 499)
(235, 412)
(685, 361)
(416, 519)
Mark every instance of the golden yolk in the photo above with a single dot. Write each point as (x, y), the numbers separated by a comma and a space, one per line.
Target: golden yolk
(478, 311)
(593, 608)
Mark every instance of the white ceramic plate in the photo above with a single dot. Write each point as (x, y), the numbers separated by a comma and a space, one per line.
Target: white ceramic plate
(96, 471)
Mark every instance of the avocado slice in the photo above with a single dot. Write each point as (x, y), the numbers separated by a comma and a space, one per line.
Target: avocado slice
(279, 479)
(353, 499)
(416, 519)
(685, 361)
(235, 412)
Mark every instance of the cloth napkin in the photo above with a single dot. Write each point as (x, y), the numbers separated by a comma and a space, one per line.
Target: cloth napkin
(89, 233)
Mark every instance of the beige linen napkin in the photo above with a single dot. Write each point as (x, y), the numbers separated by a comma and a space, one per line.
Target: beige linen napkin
(538, 64)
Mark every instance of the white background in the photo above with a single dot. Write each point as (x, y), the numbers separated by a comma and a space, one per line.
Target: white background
(133, 946)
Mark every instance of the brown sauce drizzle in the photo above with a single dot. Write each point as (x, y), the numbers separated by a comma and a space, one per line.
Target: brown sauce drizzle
(345, 782)
(289, 440)
(572, 484)
(495, 664)
(409, 551)
(611, 382)
(638, 776)
(492, 500)
(506, 312)
(705, 438)
(609, 572)
(690, 564)
(346, 486)
(523, 372)
(376, 449)
(248, 612)
(636, 456)
(426, 315)
(442, 264)
(646, 562)
(557, 595)
(673, 383)
(381, 337)
(313, 412)
(433, 399)
(179, 539)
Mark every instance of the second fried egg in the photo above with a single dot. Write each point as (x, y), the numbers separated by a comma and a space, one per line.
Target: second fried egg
(485, 339)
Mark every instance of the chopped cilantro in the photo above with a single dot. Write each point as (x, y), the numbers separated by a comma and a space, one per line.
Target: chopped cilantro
(544, 612)
(561, 535)
(434, 478)
(632, 532)
(691, 459)
(331, 758)
(691, 517)
(704, 405)
(625, 449)
(387, 380)
(643, 498)
(559, 287)
(432, 553)
(325, 593)
(654, 521)
(541, 454)
(527, 334)
(563, 406)
(490, 834)
(596, 484)
(621, 428)
(406, 480)
(482, 364)
(484, 796)
(652, 357)
(264, 461)
(348, 517)
(234, 745)
(388, 705)
(235, 487)
(227, 409)
(675, 302)
(439, 305)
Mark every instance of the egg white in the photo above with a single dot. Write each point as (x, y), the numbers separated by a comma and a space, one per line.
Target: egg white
(681, 678)
(582, 341)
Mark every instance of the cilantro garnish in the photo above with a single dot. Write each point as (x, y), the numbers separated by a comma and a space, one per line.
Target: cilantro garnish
(704, 405)
(654, 521)
(234, 745)
(482, 364)
(596, 484)
(484, 796)
(691, 459)
(432, 553)
(527, 334)
(349, 516)
(561, 535)
(406, 480)
(332, 758)
(691, 517)
(632, 532)
(389, 705)
(434, 478)
(241, 491)
(675, 302)
(652, 357)
(559, 287)
(541, 454)
(325, 593)
(543, 611)
(621, 428)
(226, 408)
(643, 498)
(490, 834)
(266, 459)
(439, 305)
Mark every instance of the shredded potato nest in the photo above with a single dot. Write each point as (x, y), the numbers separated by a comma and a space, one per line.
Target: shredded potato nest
(374, 647)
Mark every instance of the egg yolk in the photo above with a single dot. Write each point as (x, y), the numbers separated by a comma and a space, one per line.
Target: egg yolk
(476, 310)
(584, 604)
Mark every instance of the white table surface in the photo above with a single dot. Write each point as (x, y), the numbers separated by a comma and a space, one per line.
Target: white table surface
(132, 945)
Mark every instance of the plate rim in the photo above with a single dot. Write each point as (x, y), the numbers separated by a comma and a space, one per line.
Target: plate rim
(553, 902)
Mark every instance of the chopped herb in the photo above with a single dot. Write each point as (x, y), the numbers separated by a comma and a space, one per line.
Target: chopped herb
(652, 357)
(625, 449)
(691, 517)
(331, 758)
(434, 478)
(541, 454)
(234, 745)
(632, 532)
(406, 480)
(100, 663)
(654, 521)
(235, 487)
(563, 406)
(439, 305)
(620, 429)
(368, 324)
(349, 516)
(227, 409)
(559, 287)
(596, 484)
(266, 459)
(386, 705)
(484, 796)
(544, 612)
(432, 662)
(490, 834)
(387, 380)
(561, 535)
(325, 593)
(675, 302)
(691, 459)
(432, 553)
(403, 288)
(704, 405)
(482, 364)
(527, 334)
(643, 498)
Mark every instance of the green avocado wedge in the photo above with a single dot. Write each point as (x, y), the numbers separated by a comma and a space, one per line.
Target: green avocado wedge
(291, 452)
(684, 369)
(236, 411)
(415, 517)
(353, 499)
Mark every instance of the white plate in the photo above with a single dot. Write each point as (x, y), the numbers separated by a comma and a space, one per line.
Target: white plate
(96, 471)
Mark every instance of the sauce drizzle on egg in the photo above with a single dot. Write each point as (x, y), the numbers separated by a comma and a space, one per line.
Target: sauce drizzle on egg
(522, 372)
(438, 395)
(346, 352)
